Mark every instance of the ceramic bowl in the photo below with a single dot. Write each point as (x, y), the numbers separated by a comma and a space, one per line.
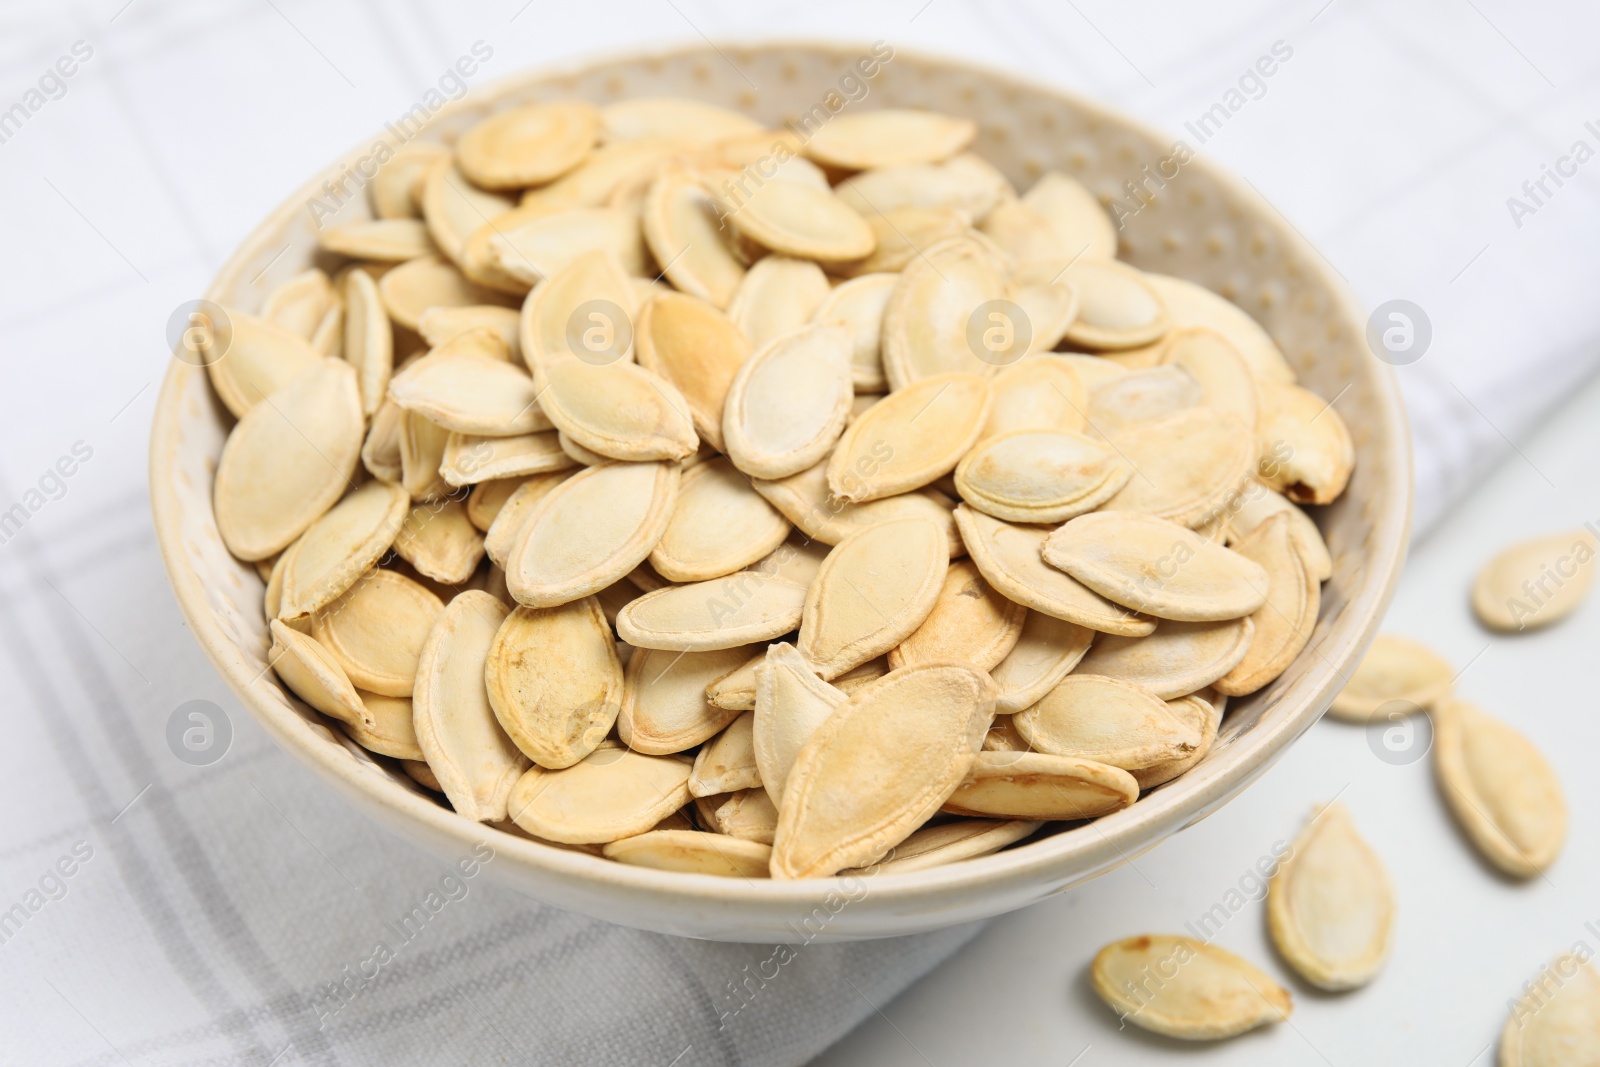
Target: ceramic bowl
(1191, 220)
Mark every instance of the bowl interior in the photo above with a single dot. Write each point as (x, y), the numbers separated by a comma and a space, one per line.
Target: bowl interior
(1187, 219)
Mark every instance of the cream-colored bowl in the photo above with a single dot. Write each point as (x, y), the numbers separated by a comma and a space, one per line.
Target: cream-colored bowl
(1203, 225)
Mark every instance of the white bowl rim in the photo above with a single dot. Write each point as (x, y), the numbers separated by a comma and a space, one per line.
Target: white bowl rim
(1073, 853)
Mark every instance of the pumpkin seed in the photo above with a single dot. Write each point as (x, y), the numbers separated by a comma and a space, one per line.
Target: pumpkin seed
(470, 393)
(412, 289)
(777, 296)
(732, 611)
(440, 541)
(1040, 476)
(299, 304)
(1117, 406)
(1305, 449)
(1189, 304)
(1501, 789)
(1009, 558)
(441, 325)
(592, 182)
(1214, 362)
(454, 208)
(698, 349)
(1549, 1028)
(619, 410)
(727, 763)
(1185, 988)
(272, 595)
(396, 185)
(590, 292)
(532, 244)
(422, 445)
(341, 546)
(859, 304)
(873, 591)
(262, 358)
(475, 762)
(914, 436)
(1187, 466)
(902, 234)
(951, 842)
(926, 323)
(964, 183)
(1394, 668)
(693, 852)
(380, 240)
(608, 795)
(1075, 221)
(1106, 720)
(1201, 711)
(921, 727)
(589, 531)
(1117, 306)
(1255, 503)
(315, 676)
(1284, 623)
(789, 402)
(688, 121)
(528, 145)
(554, 681)
(798, 219)
(748, 815)
(970, 624)
(1046, 651)
(804, 500)
(683, 229)
(664, 705)
(288, 460)
(368, 338)
(1048, 307)
(1535, 583)
(1179, 658)
(1038, 785)
(1330, 907)
(1037, 394)
(470, 459)
(1157, 567)
(393, 734)
(791, 701)
(736, 690)
(380, 451)
(718, 526)
(889, 137)
(376, 630)
(418, 771)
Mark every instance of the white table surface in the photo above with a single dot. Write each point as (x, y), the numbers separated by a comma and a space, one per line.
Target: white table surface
(193, 119)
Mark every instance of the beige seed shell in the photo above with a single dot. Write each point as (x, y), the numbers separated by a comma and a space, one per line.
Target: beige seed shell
(748, 815)
(719, 525)
(664, 705)
(902, 235)
(798, 219)
(689, 121)
(1076, 223)
(392, 733)
(970, 623)
(727, 763)
(551, 324)
(951, 842)
(501, 536)
(315, 676)
(1122, 404)
(732, 611)
(1047, 650)
(1179, 658)
(1189, 304)
(440, 325)
(1201, 711)
(554, 681)
(262, 357)
(1255, 503)
(1187, 465)
(454, 208)
(440, 541)
(1547, 1027)
(288, 461)
(1305, 449)
(1501, 789)
(889, 137)
(791, 702)
(804, 500)
(368, 338)
(528, 145)
(470, 394)
(475, 762)
(777, 296)
(607, 168)
(1108, 721)
(1215, 364)
(608, 795)
(301, 303)
(965, 183)
(589, 531)
(1330, 907)
(873, 591)
(470, 459)
(376, 631)
(693, 852)
(619, 410)
(412, 289)
(1040, 476)
(1535, 583)
(1157, 567)
(925, 323)
(1117, 307)
(1212, 993)
(395, 186)
(422, 445)
(859, 304)
(911, 438)
(920, 728)
(789, 403)
(1038, 785)
(736, 690)
(1283, 625)
(380, 240)
(1037, 394)
(698, 349)
(340, 547)
(1009, 558)
(683, 230)
(1394, 668)
(532, 244)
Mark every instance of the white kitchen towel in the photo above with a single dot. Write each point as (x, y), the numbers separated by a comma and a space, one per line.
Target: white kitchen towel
(153, 912)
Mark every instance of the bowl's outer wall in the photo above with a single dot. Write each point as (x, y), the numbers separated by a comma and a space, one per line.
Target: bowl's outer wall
(1200, 224)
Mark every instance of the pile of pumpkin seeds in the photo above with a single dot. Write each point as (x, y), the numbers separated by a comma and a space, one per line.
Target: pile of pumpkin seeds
(725, 500)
